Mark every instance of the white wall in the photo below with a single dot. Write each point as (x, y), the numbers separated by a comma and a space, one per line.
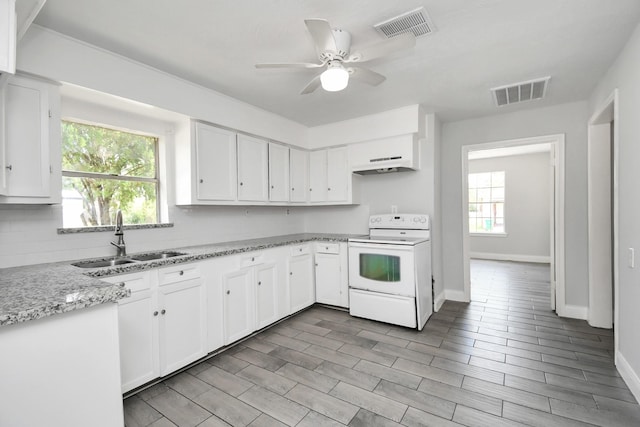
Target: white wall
(527, 209)
(623, 75)
(570, 119)
(60, 58)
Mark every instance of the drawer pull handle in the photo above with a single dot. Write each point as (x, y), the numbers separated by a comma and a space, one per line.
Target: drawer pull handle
(10, 167)
(181, 272)
(121, 284)
(228, 292)
(241, 184)
(201, 181)
(155, 313)
(253, 258)
(163, 311)
(259, 283)
(291, 273)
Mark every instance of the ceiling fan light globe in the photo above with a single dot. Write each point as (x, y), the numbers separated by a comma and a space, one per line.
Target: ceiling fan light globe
(334, 79)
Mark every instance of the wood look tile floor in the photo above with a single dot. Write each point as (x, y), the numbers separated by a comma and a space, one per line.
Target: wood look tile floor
(504, 359)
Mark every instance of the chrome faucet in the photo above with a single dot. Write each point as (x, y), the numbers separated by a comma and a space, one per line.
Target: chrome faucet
(120, 245)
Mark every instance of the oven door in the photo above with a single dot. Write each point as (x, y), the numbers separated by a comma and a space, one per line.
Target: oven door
(384, 268)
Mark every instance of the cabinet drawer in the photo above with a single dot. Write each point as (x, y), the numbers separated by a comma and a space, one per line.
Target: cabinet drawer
(136, 282)
(251, 259)
(327, 248)
(299, 250)
(179, 273)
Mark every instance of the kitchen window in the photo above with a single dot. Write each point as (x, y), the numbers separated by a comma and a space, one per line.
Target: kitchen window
(486, 202)
(104, 170)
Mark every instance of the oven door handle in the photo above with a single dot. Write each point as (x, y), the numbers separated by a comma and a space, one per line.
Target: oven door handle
(389, 247)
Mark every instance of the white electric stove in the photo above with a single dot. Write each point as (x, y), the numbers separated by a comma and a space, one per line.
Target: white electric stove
(390, 271)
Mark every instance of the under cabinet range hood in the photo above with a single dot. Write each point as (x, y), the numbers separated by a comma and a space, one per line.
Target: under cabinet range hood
(395, 154)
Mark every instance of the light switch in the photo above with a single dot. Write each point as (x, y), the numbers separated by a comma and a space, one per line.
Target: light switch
(632, 257)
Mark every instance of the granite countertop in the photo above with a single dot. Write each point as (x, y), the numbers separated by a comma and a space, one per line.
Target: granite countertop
(36, 291)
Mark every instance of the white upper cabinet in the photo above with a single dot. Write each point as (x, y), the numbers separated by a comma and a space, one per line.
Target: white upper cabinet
(330, 180)
(278, 173)
(8, 36)
(30, 142)
(318, 176)
(299, 171)
(338, 175)
(215, 163)
(253, 169)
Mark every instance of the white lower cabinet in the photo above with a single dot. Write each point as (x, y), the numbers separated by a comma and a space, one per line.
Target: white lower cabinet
(332, 278)
(301, 281)
(250, 295)
(138, 331)
(162, 323)
(239, 305)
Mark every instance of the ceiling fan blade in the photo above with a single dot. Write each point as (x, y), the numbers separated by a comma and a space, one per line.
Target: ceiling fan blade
(312, 86)
(387, 47)
(290, 65)
(322, 34)
(365, 75)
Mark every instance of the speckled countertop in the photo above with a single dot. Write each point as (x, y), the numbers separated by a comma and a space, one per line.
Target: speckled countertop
(37, 291)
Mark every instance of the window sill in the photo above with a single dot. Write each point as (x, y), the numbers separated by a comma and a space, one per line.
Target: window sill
(110, 228)
(488, 234)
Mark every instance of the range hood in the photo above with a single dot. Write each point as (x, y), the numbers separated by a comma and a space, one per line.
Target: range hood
(395, 154)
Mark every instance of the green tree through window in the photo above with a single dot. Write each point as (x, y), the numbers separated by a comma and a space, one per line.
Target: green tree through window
(104, 170)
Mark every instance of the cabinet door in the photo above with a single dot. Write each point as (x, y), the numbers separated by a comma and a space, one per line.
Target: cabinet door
(301, 286)
(239, 305)
(182, 323)
(138, 330)
(299, 171)
(318, 176)
(26, 166)
(278, 173)
(8, 36)
(215, 163)
(328, 279)
(266, 296)
(337, 175)
(253, 169)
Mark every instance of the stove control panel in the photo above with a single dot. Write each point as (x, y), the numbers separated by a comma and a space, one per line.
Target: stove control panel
(407, 221)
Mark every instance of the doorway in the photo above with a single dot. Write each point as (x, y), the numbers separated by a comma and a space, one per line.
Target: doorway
(555, 145)
(602, 213)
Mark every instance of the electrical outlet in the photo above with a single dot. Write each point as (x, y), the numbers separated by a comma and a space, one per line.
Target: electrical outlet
(394, 209)
(632, 257)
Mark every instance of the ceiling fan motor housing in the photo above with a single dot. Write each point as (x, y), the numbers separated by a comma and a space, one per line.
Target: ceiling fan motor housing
(343, 45)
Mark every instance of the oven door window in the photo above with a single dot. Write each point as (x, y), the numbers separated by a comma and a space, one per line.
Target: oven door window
(381, 268)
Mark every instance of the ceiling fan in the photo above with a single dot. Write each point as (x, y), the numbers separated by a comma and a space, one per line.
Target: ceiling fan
(333, 46)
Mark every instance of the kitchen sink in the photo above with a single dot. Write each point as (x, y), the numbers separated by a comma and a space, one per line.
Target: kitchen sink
(156, 255)
(102, 263)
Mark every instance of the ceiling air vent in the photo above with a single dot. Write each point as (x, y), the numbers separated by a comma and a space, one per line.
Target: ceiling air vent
(520, 92)
(416, 21)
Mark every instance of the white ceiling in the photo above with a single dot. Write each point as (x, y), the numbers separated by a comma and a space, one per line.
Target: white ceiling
(479, 44)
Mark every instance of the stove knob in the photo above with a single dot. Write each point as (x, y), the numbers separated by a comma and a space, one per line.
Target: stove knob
(423, 219)
(416, 219)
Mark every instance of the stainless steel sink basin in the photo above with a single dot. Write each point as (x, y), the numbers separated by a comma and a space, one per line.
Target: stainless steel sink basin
(156, 255)
(102, 263)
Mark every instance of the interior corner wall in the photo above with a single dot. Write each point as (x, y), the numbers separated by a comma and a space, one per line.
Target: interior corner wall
(569, 119)
(623, 75)
(527, 209)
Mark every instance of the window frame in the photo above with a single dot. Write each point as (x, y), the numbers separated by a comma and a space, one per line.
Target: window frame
(502, 233)
(96, 175)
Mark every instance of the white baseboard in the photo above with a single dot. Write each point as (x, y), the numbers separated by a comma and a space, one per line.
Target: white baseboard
(573, 311)
(454, 295)
(438, 301)
(628, 375)
(511, 257)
